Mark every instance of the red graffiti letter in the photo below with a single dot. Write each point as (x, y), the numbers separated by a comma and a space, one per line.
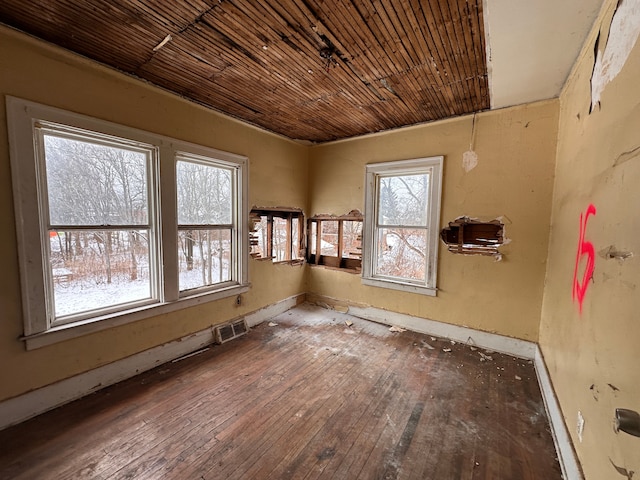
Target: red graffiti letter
(584, 248)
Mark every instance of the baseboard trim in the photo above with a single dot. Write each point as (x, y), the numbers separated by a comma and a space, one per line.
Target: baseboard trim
(35, 402)
(564, 446)
(274, 309)
(490, 341)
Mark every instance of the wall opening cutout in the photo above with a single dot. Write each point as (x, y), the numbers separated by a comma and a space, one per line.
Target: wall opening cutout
(277, 234)
(336, 242)
(473, 237)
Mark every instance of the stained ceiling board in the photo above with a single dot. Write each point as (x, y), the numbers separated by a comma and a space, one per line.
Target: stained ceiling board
(326, 70)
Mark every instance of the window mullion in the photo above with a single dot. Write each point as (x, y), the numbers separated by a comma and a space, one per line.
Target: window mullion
(340, 239)
(167, 225)
(270, 236)
(289, 247)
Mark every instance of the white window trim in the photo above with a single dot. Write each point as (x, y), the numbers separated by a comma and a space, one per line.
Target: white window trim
(369, 254)
(21, 115)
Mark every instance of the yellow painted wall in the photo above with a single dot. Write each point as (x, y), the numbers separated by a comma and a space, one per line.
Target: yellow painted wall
(513, 179)
(34, 71)
(593, 357)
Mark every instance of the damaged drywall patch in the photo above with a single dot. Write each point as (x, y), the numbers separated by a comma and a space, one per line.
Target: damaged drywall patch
(470, 236)
(469, 160)
(470, 157)
(623, 34)
(623, 471)
(612, 252)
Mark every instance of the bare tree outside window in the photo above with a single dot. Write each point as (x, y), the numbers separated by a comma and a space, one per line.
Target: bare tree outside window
(402, 220)
(97, 193)
(401, 224)
(97, 206)
(205, 222)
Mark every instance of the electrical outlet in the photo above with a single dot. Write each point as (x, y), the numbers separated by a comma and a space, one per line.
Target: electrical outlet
(239, 300)
(580, 425)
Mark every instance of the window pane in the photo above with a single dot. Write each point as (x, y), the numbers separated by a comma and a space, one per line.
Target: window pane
(401, 253)
(352, 239)
(94, 269)
(403, 200)
(204, 257)
(329, 239)
(204, 194)
(92, 184)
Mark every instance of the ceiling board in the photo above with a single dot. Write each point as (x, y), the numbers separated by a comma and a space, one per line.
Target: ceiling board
(327, 70)
(314, 71)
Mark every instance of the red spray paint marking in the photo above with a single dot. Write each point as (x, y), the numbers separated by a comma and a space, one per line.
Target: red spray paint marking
(584, 248)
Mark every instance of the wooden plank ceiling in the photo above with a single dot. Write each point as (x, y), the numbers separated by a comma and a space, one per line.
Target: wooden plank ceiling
(314, 71)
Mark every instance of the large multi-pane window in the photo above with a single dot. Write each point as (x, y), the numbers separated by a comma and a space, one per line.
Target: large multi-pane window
(402, 224)
(114, 222)
(99, 220)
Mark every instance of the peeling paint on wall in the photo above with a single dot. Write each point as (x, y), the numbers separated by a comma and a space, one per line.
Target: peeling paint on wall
(623, 34)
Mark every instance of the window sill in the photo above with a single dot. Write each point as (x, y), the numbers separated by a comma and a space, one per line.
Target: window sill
(97, 324)
(405, 287)
(352, 271)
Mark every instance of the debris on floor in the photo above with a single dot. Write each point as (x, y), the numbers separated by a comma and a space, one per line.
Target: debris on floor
(348, 323)
(273, 324)
(425, 344)
(446, 350)
(397, 329)
(484, 357)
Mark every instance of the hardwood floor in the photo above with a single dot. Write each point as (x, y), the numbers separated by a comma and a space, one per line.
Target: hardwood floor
(310, 398)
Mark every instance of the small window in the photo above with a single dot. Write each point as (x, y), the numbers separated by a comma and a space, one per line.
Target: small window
(277, 235)
(338, 241)
(402, 223)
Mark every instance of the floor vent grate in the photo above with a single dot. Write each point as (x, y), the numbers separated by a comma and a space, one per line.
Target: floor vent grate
(229, 331)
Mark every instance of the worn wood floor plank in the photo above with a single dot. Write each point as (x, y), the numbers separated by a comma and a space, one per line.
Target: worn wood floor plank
(310, 398)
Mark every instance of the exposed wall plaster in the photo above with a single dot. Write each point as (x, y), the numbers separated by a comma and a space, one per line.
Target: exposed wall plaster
(470, 157)
(623, 34)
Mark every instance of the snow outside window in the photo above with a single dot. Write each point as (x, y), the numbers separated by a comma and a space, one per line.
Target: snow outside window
(402, 224)
(99, 221)
(205, 222)
(96, 204)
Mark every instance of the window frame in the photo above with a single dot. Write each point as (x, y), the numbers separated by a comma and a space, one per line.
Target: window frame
(288, 215)
(432, 166)
(31, 220)
(340, 262)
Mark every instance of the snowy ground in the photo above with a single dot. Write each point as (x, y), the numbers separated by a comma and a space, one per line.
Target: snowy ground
(76, 296)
